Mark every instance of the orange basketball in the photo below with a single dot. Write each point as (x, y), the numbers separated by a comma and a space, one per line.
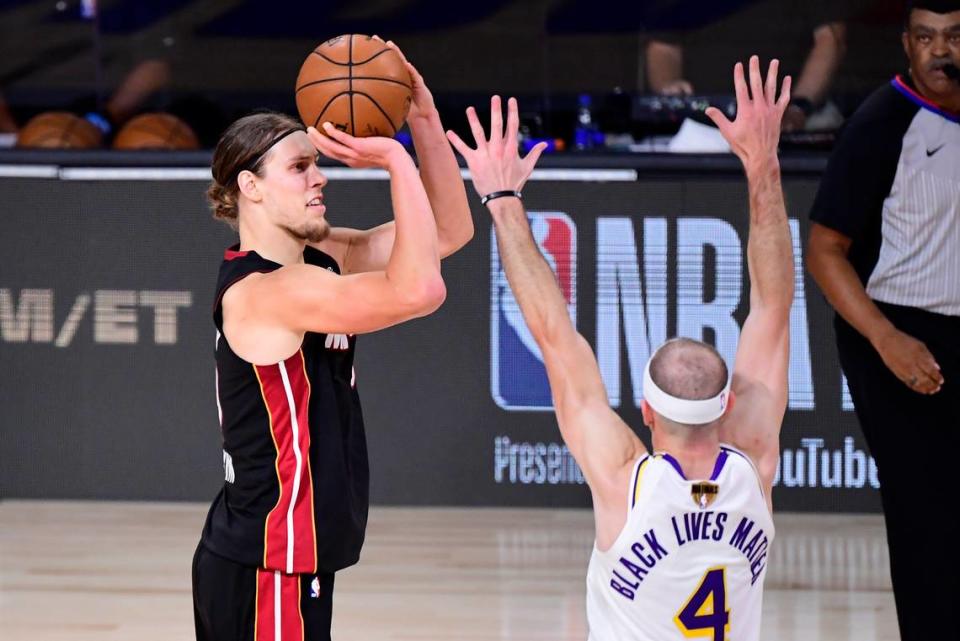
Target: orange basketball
(357, 83)
(59, 130)
(155, 131)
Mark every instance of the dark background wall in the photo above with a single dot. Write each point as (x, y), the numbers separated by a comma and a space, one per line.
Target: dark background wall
(238, 54)
(106, 368)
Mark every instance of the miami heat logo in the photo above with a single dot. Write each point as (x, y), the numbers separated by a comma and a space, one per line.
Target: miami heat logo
(704, 493)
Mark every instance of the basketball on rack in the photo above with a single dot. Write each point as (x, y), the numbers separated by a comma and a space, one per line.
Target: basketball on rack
(155, 131)
(59, 130)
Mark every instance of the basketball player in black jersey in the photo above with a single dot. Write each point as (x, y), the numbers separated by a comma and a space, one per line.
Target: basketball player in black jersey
(290, 299)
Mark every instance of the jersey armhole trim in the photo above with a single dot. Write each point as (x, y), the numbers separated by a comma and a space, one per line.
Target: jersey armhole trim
(753, 466)
(636, 478)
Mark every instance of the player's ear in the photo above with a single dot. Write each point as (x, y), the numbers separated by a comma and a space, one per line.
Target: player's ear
(247, 181)
(731, 401)
(647, 413)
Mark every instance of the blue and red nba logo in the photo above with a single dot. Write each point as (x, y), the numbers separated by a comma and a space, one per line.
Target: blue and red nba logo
(518, 378)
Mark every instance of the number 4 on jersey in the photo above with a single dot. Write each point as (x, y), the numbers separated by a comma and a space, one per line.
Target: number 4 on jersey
(705, 614)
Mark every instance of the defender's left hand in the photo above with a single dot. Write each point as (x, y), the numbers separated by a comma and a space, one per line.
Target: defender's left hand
(496, 165)
(755, 133)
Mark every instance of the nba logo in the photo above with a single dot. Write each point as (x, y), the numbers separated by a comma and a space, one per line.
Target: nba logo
(518, 378)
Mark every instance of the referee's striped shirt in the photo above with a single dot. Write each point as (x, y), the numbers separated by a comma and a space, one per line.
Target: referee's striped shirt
(893, 187)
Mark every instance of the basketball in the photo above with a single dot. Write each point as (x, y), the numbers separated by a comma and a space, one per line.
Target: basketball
(357, 83)
(59, 130)
(155, 131)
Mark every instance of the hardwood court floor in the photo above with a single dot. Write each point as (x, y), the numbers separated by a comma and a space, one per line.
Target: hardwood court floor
(109, 571)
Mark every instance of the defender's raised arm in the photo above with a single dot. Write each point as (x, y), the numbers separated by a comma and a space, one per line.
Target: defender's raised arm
(760, 369)
(602, 444)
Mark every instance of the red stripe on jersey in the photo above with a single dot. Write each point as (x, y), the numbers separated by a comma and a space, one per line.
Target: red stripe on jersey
(304, 528)
(275, 525)
(282, 521)
(232, 254)
(270, 609)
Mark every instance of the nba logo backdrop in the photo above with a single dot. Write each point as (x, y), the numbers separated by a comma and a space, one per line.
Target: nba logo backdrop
(518, 378)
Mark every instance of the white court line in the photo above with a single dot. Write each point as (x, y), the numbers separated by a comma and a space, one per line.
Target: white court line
(333, 173)
(135, 173)
(29, 171)
(560, 175)
(585, 175)
(346, 173)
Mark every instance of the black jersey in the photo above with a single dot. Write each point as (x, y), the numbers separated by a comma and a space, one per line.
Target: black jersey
(296, 493)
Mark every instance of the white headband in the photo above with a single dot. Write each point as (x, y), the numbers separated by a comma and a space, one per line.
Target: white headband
(683, 410)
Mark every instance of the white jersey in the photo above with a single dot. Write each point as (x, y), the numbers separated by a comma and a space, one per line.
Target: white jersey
(691, 559)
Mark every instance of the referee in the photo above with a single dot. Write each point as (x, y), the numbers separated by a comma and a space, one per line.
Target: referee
(885, 249)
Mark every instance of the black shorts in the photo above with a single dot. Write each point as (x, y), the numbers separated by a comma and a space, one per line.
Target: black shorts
(233, 602)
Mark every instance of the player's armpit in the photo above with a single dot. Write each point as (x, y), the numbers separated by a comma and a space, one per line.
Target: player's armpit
(753, 426)
(607, 457)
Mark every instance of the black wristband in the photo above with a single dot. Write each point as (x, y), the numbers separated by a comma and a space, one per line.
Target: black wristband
(499, 194)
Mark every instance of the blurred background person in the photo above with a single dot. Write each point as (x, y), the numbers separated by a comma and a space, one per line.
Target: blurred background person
(809, 37)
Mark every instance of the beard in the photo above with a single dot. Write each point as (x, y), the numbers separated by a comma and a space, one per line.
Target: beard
(312, 231)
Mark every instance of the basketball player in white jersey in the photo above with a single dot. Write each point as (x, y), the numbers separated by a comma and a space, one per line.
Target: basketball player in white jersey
(682, 533)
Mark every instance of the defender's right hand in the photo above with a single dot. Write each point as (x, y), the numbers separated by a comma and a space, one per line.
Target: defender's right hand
(755, 133)
(374, 151)
(911, 362)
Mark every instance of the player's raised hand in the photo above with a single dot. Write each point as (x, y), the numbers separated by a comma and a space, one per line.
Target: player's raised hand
(496, 165)
(755, 133)
(422, 100)
(372, 151)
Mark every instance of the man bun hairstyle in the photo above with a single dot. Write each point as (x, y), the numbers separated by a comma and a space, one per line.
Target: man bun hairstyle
(243, 146)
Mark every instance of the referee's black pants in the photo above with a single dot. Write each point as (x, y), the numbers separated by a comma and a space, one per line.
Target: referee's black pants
(914, 439)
